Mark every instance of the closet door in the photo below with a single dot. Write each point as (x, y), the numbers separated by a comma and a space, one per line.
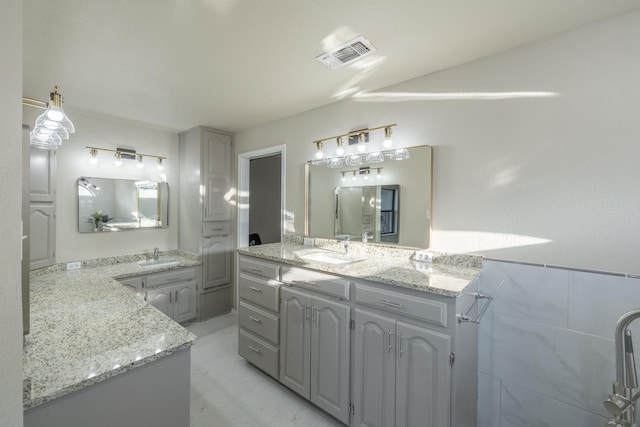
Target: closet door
(42, 232)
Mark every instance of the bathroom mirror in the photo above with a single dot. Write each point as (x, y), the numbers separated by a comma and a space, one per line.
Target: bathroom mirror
(391, 201)
(107, 205)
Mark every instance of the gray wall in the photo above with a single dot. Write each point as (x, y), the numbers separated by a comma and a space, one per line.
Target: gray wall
(10, 197)
(265, 217)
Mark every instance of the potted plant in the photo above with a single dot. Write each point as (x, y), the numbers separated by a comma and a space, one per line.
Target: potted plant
(96, 217)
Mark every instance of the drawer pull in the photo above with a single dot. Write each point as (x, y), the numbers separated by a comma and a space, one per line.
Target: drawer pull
(217, 229)
(391, 304)
(254, 289)
(304, 282)
(256, 269)
(255, 319)
(257, 350)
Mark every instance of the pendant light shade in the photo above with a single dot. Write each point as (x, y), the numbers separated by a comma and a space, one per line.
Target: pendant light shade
(53, 125)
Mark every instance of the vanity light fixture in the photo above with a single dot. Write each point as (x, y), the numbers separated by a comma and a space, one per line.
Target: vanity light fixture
(359, 155)
(121, 154)
(53, 125)
(364, 171)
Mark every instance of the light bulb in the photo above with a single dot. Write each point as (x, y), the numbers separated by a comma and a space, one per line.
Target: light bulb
(159, 164)
(366, 176)
(340, 149)
(387, 138)
(361, 147)
(354, 177)
(361, 140)
(94, 156)
(344, 178)
(319, 153)
(118, 160)
(140, 165)
(379, 175)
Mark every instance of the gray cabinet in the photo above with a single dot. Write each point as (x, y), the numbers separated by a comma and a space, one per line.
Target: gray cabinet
(402, 373)
(134, 284)
(42, 208)
(259, 314)
(315, 350)
(205, 225)
(216, 151)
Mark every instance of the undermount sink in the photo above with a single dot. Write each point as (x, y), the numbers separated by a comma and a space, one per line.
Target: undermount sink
(160, 262)
(327, 258)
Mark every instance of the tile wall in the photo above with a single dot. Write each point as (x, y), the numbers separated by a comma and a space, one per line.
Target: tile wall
(546, 353)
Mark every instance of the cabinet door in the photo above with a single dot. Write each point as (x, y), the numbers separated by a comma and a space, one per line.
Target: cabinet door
(162, 299)
(42, 232)
(184, 302)
(42, 176)
(217, 176)
(374, 376)
(216, 261)
(330, 356)
(423, 377)
(134, 284)
(295, 340)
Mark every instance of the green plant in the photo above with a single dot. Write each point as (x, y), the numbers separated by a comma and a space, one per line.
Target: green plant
(96, 217)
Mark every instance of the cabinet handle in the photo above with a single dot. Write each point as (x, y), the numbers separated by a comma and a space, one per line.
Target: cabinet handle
(206, 212)
(170, 297)
(389, 334)
(256, 269)
(314, 314)
(304, 282)
(307, 315)
(255, 319)
(217, 229)
(257, 350)
(254, 289)
(400, 344)
(391, 304)
(176, 297)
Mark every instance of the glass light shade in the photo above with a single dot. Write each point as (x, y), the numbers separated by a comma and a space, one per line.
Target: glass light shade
(55, 114)
(45, 139)
(375, 157)
(355, 160)
(319, 154)
(387, 143)
(400, 154)
(361, 147)
(335, 162)
(318, 162)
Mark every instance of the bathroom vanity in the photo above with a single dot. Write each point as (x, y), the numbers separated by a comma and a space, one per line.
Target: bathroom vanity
(94, 346)
(373, 338)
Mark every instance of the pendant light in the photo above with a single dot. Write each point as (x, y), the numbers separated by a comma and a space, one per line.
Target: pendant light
(53, 125)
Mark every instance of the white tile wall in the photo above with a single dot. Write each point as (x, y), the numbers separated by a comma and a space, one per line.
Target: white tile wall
(545, 347)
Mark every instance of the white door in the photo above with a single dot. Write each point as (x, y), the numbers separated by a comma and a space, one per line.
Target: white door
(330, 356)
(423, 377)
(42, 232)
(295, 340)
(374, 396)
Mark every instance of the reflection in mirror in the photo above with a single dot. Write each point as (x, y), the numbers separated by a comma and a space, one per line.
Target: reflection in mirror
(341, 201)
(106, 204)
(371, 212)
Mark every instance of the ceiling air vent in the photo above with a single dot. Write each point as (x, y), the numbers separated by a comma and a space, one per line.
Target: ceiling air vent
(348, 52)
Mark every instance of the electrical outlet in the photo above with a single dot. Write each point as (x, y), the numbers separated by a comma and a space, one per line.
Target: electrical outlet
(423, 266)
(424, 256)
(308, 241)
(74, 265)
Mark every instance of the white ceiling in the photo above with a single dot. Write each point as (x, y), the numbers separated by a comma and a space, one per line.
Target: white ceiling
(234, 64)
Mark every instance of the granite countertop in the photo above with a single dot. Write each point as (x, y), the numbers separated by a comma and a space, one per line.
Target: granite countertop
(86, 327)
(448, 275)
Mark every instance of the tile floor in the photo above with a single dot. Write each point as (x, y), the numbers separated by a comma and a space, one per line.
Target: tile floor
(227, 392)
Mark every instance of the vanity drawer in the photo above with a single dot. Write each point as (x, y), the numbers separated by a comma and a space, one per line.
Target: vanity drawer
(172, 276)
(258, 353)
(325, 283)
(264, 324)
(210, 229)
(408, 305)
(260, 268)
(263, 292)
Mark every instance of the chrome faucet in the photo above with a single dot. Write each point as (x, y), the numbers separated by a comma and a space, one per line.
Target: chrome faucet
(622, 403)
(365, 237)
(345, 242)
(156, 254)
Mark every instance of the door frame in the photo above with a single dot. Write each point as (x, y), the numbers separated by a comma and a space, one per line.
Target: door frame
(242, 223)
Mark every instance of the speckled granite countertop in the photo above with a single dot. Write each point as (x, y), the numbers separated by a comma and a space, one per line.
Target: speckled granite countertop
(448, 275)
(86, 327)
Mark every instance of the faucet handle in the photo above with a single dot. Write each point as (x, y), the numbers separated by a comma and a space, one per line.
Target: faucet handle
(344, 237)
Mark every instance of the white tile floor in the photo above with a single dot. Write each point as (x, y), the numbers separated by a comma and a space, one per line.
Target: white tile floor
(226, 391)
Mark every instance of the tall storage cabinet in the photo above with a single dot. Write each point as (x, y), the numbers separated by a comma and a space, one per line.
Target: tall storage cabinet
(42, 208)
(205, 224)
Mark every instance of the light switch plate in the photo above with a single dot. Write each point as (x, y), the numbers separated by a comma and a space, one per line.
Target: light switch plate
(74, 265)
(424, 256)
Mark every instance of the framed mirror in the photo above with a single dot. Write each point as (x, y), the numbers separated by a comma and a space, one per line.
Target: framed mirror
(390, 201)
(107, 205)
